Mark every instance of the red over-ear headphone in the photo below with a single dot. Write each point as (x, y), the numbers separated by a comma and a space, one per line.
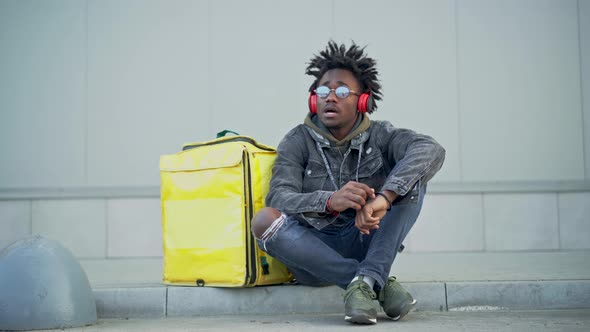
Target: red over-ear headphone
(364, 104)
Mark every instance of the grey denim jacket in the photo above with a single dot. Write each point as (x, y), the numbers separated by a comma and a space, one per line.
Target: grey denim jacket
(309, 168)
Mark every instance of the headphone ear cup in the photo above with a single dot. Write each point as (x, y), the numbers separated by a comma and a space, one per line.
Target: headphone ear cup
(363, 102)
(370, 103)
(312, 103)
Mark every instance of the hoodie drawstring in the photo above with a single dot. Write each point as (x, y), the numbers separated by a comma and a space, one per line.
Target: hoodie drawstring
(358, 164)
(329, 170)
(327, 165)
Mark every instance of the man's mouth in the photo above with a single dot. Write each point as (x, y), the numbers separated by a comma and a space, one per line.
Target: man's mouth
(330, 110)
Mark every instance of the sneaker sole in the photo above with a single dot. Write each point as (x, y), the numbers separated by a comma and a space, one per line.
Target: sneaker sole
(405, 310)
(360, 319)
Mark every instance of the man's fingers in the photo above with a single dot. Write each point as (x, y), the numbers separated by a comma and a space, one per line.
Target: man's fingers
(367, 230)
(368, 191)
(370, 223)
(352, 195)
(355, 206)
(363, 224)
(365, 190)
(371, 220)
(354, 191)
(364, 219)
(359, 200)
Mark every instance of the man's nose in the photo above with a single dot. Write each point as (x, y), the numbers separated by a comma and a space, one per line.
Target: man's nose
(331, 96)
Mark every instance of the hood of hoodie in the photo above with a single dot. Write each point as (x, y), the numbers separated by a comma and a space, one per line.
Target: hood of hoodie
(360, 127)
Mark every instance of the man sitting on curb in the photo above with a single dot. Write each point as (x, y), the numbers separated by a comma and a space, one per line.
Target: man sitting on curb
(346, 190)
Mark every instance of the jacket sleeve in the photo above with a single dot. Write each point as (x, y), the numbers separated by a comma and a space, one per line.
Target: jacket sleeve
(416, 157)
(286, 184)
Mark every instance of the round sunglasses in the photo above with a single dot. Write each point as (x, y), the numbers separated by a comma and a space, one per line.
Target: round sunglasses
(340, 92)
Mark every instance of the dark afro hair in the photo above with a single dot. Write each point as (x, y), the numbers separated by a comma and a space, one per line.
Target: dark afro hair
(353, 59)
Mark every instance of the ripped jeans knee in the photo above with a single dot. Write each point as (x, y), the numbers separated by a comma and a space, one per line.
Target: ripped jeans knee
(270, 231)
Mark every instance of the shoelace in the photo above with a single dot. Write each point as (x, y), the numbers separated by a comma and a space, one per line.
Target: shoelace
(364, 287)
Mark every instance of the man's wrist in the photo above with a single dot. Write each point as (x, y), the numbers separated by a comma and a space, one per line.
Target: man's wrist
(329, 207)
(391, 195)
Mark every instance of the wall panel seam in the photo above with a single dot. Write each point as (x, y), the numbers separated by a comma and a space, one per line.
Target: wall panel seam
(558, 199)
(458, 93)
(106, 227)
(483, 216)
(30, 206)
(483, 220)
(581, 68)
(450, 188)
(85, 162)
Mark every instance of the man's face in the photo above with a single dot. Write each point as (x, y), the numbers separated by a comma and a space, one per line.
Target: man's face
(338, 115)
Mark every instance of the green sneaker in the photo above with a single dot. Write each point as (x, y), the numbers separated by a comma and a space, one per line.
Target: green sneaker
(395, 300)
(359, 305)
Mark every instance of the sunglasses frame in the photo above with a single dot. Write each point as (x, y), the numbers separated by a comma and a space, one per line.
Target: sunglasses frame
(335, 93)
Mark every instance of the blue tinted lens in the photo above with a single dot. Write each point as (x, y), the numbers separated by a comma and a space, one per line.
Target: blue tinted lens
(342, 92)
(322, 91)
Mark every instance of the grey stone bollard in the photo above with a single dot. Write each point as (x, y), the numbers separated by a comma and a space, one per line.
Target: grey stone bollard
(42, 286)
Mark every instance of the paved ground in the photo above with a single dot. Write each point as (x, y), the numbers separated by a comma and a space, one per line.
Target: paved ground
(533, 321)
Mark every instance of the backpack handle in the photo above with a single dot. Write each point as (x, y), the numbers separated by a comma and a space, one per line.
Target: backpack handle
(225, 132)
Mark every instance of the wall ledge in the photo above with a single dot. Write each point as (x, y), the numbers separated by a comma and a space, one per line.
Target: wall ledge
(433, 188)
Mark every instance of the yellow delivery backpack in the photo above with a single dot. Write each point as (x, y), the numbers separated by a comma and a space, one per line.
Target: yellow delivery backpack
(210, 191)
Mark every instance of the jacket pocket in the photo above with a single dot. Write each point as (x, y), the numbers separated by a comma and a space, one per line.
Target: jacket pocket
(371, 171)
(316, 177)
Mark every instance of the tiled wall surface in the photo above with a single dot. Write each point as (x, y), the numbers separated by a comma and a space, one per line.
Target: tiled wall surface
(92, 228)
(503, 85)
(584, 19)
(78, 224)
(134, 228)
(574, 217)
(119, 228)
(15, 221)
(502, 222)
(448, 223)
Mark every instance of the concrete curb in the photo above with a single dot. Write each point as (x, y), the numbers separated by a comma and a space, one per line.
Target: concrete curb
(175, 301)
(131, 302)
(518, 295)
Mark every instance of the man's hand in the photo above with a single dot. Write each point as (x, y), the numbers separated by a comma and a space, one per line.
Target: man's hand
(370, 215)
(352, 195)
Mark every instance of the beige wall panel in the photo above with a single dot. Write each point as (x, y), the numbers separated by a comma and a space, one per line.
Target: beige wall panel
(259, 51)
(42, 93)
(584, 19)
(79, 225)
(521, 221)
(519, 81)
(147, 86)
(414, 45)
(448, 223)
(134, 228)
(574, 220)
(15, 221)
